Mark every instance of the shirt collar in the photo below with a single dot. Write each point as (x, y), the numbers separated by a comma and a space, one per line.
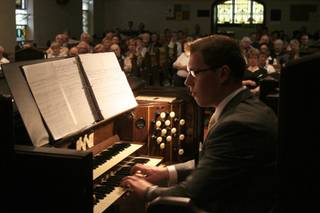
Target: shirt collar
(225, 101)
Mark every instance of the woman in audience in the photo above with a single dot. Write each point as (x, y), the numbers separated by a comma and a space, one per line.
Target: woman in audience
(181, 65)
(3, 60)
(55, 51)
(130, 61)
(253, 73)
(263, 62)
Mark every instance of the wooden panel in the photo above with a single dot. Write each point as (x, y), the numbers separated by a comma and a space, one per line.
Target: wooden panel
(140, 125)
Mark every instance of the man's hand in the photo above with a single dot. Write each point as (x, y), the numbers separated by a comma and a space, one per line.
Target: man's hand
(135, 184)
(154, 175)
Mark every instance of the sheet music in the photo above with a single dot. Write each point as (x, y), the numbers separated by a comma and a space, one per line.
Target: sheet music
(59, 94)
(156, 98)
(109, 83)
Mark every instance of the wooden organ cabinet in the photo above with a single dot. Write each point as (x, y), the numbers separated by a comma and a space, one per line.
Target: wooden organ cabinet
(82, 172)
(167, 121)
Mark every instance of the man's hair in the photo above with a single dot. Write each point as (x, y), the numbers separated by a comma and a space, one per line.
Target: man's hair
(219, 50)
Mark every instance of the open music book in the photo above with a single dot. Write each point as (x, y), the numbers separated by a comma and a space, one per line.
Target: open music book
(74, 93)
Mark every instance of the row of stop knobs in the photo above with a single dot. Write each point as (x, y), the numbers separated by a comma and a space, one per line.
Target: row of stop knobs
(164, 130)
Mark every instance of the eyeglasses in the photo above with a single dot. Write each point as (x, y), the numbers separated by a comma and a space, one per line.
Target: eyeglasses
(194, 73)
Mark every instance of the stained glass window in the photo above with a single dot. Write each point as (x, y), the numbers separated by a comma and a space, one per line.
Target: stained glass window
(257, 13)
(86, 15)
(225, 12)
(21, 20)
(240, 12)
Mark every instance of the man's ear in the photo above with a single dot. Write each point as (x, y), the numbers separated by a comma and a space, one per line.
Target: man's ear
(224, 74)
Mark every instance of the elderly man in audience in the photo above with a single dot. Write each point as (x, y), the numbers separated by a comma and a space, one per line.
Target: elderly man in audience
(86, 37)
(276, 53)
(245, 46)
(60, 39)
(117, 50)
(83, 47)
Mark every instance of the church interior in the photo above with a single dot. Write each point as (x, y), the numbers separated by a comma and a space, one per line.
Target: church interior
(146, 113)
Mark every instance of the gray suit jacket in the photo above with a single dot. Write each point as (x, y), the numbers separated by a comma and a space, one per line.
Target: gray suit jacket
(236, 169)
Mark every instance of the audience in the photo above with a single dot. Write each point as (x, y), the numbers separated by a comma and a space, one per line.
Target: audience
(162, 57)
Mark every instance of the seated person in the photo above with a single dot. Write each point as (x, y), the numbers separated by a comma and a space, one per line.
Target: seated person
(3, 60)
(263, 63)
(62, 40)
(56, 51)
(181, 66)
(130, 60)
(83, 47)
(99, 48)
(29, 52)
(236, 167)
(117, 50)
(73, 52)
(253, 73)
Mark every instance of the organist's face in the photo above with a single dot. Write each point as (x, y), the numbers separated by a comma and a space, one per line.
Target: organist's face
(205, 85)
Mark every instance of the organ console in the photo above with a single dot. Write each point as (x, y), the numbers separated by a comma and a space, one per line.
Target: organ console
(167, 121)
(160, 130)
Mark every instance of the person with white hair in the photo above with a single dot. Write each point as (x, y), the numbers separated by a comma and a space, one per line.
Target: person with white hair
(56, 51)
(245, 46)
(3, 60)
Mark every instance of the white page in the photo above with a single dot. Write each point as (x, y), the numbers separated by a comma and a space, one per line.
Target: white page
(59, 94)
(109, 83)
(156, 98)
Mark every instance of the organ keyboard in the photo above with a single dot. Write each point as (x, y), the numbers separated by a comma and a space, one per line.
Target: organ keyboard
(111, 156)
(107, 189)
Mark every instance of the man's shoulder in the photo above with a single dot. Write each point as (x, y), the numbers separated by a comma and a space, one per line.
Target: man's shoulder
(249, 109)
